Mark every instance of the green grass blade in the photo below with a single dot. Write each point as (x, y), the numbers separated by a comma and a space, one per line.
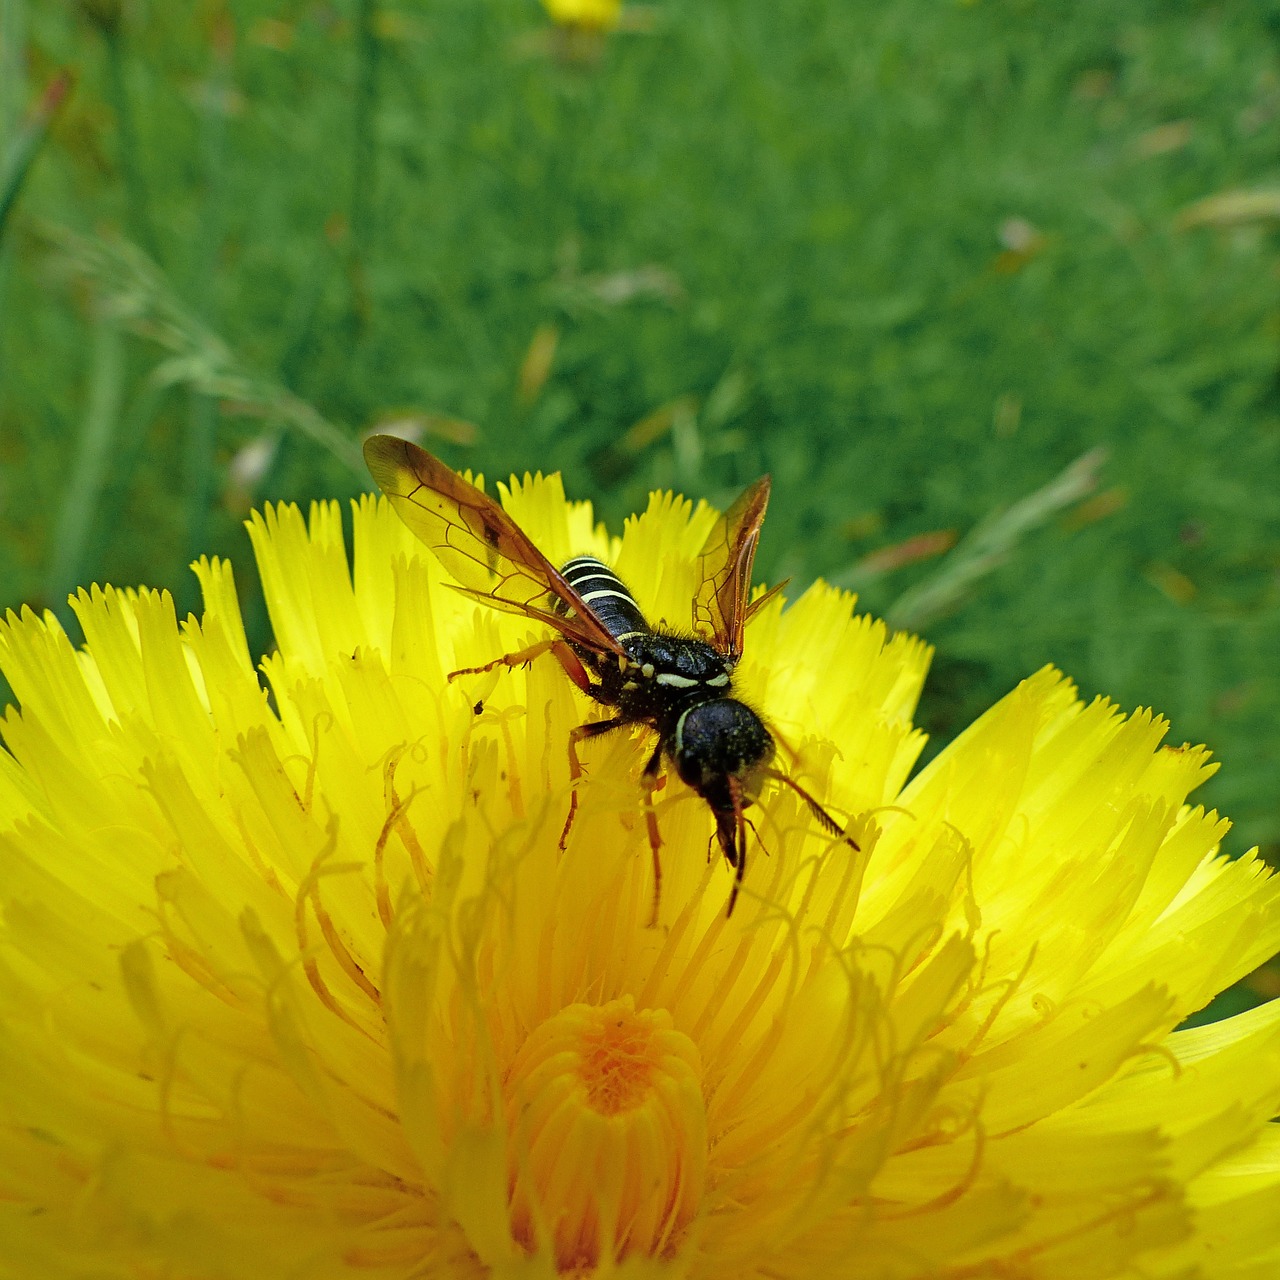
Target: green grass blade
(133, 290)
(26, 145)
(991, 543)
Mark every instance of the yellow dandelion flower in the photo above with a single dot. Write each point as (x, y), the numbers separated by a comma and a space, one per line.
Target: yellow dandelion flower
(296, 981)
(584, 15)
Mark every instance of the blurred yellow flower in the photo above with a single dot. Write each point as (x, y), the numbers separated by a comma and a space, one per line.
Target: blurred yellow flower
(585, 15)
(296, 982)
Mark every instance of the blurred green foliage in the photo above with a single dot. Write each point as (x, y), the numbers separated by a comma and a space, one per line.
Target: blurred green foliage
(913, 258)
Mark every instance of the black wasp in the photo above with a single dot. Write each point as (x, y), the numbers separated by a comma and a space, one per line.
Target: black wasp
(680, 685)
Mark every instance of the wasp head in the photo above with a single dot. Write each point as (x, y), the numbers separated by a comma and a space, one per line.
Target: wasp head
(721, 747)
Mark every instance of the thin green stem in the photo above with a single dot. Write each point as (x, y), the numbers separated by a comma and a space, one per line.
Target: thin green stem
(203, 418)
(135, 192)
(136, 423)
(13, 68)
(13, 96)
(364, 142)
(198, 469)
(90, 462)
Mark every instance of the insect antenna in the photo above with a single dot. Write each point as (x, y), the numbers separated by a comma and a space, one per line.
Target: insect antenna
(784, 744)
(824, 818)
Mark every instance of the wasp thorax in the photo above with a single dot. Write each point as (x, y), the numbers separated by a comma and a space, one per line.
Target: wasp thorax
(677, 661)
(719, 739)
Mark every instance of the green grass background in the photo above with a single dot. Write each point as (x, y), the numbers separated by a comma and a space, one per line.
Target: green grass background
(814, 204)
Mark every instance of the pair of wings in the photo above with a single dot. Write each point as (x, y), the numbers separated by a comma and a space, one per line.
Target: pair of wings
(494, 560)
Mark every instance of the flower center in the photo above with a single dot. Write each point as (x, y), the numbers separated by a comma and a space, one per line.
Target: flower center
(608, 1134)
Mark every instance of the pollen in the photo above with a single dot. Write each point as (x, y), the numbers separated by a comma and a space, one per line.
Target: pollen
(608, 1134)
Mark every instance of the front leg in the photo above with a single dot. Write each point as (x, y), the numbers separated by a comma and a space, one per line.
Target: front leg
(731, 832)
(584, 731)
(652, 782)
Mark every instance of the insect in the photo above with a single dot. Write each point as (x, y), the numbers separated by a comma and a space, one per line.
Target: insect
(678, 684)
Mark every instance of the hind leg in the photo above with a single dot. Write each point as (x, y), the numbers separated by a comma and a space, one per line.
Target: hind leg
(563, 654)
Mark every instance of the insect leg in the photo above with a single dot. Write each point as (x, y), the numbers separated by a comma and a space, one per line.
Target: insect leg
(572, 665)
(655, 763)
(739, 840)
(517, 659)
(651, 822)
(593, 729)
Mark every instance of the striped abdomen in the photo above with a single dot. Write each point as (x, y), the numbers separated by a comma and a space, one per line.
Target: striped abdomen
(608, 597)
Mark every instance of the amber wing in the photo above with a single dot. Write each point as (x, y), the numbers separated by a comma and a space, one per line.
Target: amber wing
(491, 557)
(720, 608)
